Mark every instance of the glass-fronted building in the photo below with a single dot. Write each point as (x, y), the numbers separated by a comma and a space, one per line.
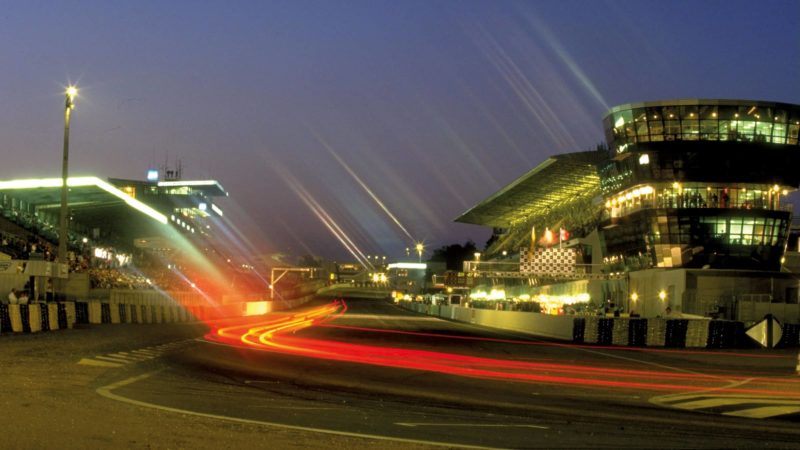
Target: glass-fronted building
(699, 183)
(687, 207)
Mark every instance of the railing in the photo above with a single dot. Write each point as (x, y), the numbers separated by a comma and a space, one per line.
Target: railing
(491, 266)
(511, 269)
(620, 211)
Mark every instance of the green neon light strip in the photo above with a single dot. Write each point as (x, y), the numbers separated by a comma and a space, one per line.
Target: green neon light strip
(190, 183)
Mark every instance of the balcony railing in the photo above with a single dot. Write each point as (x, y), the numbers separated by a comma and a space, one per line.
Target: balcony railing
(661, 203)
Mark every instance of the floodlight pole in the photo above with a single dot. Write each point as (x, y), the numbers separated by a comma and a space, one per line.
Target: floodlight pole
(64, 222)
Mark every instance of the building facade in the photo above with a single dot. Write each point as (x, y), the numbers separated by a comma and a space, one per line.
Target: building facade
(689, 210)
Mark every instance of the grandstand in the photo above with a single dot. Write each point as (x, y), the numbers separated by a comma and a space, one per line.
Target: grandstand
(123, 234)
(686, 208)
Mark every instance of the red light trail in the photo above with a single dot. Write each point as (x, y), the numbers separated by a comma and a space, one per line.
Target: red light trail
(278, 335)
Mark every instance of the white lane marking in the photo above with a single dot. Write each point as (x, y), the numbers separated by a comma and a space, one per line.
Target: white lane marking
(92, 362)
(764, 412)
(299, 408)
(471, 425)
(116, 360)
(609, 395)
(127, 355)
(727, 401)
(121, 358)
(662, 399)
(106, 391)
(390, 317)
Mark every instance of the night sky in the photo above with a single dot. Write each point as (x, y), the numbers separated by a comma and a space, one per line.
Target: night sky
(428, 107)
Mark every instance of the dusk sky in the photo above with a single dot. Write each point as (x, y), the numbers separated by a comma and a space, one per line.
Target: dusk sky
(431, 106)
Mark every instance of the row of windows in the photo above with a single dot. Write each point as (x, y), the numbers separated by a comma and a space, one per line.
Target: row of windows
(706, 130)
(725, 230)
(703, 122)
(697, 196)
(706, 112)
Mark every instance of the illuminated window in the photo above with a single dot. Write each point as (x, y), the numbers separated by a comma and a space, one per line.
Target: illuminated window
(691, 129)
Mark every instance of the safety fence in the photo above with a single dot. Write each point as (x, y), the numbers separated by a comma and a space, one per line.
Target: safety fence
(622, 331)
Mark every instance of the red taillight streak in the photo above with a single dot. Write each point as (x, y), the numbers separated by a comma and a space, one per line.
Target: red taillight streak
(553, 344)
(271, 336)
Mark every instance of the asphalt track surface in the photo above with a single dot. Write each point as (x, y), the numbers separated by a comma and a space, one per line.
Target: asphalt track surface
(402, 380)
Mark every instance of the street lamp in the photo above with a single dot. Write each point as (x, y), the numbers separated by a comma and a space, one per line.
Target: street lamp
(420, 248)
(69, 105)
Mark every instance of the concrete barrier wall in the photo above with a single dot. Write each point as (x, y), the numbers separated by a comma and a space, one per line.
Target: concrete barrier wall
(558, 327)
(620, 331)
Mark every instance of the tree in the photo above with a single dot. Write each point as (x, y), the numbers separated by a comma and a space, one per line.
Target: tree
(454, 255)
(308, 261)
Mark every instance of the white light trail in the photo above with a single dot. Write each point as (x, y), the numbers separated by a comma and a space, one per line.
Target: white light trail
(364, 186)
(325, 218)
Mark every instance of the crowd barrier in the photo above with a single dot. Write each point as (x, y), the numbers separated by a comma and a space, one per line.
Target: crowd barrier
(36, 317)
(621, 331)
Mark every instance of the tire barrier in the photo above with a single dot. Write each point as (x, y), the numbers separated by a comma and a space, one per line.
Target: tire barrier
(637, 332)
(25, 317)
(5, 319)
(62, 316)
(656, 332)
(619, 331)
(578, 327)
(105, 313)
(81, 312)
(725, 334)
(53, 317)
(35, 317)
(675, 335)
(16, 318)
(590, 330)
(605, 331)
(44, 313)
(95, 313)
(122, 313)
(791, 336)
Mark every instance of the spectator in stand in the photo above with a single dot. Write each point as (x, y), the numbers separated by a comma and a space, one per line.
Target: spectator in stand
(12, 297)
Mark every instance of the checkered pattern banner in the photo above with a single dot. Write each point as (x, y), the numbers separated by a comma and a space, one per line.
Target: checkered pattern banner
(548, 261)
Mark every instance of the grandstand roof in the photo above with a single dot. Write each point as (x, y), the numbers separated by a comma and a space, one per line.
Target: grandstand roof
(555, 181)
(211, 188)
(93, 202)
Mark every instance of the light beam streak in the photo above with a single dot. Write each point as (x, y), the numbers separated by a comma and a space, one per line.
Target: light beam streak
(325, 218)
(364, 186)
